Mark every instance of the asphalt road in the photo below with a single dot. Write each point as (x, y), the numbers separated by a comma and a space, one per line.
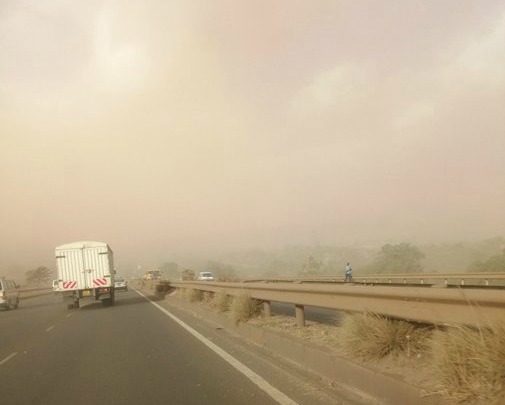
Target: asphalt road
(134, 353)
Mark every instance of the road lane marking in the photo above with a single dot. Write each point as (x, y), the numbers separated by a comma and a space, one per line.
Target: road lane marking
(8, 358)
(277, 395)
(48, 329)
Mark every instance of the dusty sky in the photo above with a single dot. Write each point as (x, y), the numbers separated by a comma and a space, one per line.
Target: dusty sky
(169, 128)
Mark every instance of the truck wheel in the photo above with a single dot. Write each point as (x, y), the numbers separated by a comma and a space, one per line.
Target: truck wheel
(107, 302)
(70, 306)
(76, 304)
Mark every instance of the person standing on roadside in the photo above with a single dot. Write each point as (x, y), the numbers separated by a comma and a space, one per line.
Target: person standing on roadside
(348, 272)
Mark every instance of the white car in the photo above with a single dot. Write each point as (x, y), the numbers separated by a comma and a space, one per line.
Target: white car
(120, 284)
(56, 287)
(9, 294)
(205, 276)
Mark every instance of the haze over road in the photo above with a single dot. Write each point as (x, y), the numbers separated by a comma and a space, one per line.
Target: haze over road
(176, 131)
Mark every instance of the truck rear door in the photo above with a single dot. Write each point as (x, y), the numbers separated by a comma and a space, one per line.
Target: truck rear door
(97, 269)
(71, 269)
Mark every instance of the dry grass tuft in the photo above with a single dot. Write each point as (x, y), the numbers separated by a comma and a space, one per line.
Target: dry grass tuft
(221, 302)
(193, 295)
(243, 308)
(469, 364)
(370, 336)
(207, 297)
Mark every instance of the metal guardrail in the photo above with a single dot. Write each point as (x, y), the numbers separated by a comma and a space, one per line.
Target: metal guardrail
(420, 278)
(26, 293)
(476, 307)
(24, 290)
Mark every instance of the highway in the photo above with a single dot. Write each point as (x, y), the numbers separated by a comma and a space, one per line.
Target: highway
(137, 352)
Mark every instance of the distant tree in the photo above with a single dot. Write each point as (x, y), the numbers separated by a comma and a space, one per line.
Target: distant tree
(311, 267)
(39, 276)
(400, 258)
(492, 246)
(461, 256)
(493, 264)
(330, 265)
(270, 274)
(222, 271)
(277, 267)
(169, 270)
(187, 275)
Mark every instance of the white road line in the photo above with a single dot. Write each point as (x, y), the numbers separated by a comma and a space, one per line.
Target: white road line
(277, 395)
(48, 329)
(8, 358)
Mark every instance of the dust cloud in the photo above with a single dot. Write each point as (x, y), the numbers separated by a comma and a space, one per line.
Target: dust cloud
(186, 129)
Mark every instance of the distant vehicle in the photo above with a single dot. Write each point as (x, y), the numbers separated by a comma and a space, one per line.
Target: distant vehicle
(56, 287)
(9, 294)
(187, 275)
(120, 284)
(205, 276)
(152, 275)
(85, 272)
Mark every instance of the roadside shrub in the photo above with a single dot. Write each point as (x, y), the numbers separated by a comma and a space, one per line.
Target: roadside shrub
(469, 364)
(207, 297)
(193, 295)
(221, 302)
(243, 308)
(371, 336)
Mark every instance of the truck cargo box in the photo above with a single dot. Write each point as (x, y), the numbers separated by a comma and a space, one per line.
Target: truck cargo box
(84, 265)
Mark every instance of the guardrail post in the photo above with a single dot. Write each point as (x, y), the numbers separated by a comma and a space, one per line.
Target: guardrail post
(267, 308)
(300, 315)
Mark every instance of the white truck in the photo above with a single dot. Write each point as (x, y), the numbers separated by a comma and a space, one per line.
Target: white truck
(85, 272)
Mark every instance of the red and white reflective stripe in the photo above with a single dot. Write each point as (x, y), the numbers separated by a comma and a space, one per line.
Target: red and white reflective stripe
(69, 284)
(99, 281)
